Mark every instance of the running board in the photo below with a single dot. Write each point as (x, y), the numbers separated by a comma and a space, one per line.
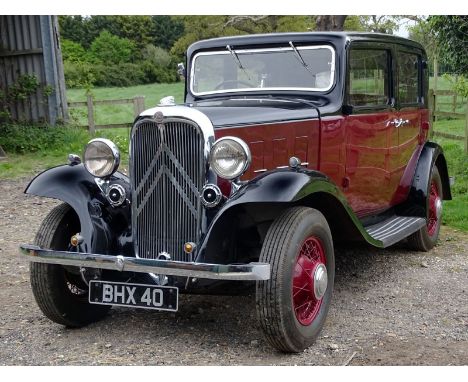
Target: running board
(395, 229)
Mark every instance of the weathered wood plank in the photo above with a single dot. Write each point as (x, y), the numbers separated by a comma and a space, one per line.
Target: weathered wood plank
(114, 125)
(448, 114)
(445, 92)
(24, 52)
(77, 104)
(91, 126)
(113, 101)
(449, 136)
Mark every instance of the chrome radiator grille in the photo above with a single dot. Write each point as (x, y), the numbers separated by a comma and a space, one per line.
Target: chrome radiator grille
(167, 172)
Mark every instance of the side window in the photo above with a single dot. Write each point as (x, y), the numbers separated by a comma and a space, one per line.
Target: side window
(408, 80)
(368, 77)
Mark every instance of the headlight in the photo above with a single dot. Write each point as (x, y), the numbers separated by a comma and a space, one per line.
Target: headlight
(101, 157)
(230, 157)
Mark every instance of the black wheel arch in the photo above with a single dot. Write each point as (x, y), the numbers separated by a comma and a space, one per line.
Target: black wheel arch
(431, 155)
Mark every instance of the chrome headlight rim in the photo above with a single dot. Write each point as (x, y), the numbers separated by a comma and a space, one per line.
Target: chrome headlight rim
(115, 152)
(246, 150)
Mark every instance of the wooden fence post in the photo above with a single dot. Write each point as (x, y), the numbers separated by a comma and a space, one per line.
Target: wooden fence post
(454, 102)
(91, 125)
(431, 103)
(2, 154)
(466, 128)
(138, 105)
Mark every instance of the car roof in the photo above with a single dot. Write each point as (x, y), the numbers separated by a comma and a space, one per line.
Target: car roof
(338, 38)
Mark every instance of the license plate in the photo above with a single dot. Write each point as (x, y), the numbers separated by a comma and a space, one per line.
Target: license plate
(133, 295)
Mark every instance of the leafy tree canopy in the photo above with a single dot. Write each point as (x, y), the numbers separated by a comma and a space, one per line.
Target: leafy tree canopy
(108, 48)
(452, 41)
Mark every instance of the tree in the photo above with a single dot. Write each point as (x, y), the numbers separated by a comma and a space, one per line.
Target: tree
(72, 29)
(451, 33)
(330, 22)
(108, 48)
(135, 28)
(165, 31)
(422, 33)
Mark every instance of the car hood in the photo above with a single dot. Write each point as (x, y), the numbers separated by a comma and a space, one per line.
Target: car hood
(227, 113)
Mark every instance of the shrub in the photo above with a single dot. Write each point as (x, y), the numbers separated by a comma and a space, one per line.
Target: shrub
(19, 138)
(125, 74)
(155, 73)
(73, 52)
(110, 49)
(79, 74)
(156, 55)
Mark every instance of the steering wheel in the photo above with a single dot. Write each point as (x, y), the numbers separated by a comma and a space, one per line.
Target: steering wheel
(220, 85)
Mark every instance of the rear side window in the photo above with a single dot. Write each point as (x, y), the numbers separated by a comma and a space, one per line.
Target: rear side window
(408, 81)
(368, 77)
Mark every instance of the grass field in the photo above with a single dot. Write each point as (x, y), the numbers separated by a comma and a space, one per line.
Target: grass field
(107, 114)
(16, 165)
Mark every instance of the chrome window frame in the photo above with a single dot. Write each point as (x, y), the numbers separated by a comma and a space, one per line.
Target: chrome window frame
(284, 88)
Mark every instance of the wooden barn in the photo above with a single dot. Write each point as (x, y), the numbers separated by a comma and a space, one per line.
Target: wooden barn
(30, 58)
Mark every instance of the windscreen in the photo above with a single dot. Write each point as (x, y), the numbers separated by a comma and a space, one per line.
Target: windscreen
(294, 68)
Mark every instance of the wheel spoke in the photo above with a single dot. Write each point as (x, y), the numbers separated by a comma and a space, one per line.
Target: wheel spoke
(300, 289)
(305, 304)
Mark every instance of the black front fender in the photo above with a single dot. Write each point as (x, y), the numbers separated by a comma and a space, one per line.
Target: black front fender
(267, 195)
(101, 224)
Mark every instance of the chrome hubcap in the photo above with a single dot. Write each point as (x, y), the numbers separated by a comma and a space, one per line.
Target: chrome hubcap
(438, 207)
(320, 281)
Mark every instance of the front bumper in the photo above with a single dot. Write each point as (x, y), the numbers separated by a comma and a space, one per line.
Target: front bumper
(251, 271)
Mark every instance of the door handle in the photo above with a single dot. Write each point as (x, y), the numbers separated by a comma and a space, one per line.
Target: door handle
(398, 122)
(404, 122)
(395, 122)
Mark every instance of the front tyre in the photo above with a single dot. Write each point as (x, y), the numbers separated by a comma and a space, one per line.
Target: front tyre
(293, 304)
(60, 292)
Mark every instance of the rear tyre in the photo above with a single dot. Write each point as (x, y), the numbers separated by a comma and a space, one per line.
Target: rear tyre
(293, 304)
(61, 293)
(426, 238)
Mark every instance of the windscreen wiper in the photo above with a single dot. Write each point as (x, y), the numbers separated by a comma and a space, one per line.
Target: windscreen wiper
(299, 57)
(236, 58)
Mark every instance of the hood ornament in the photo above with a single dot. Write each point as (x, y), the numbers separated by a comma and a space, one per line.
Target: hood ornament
(158, 117)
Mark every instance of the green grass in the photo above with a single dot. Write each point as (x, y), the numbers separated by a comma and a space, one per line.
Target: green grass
(108, 114)
(452, 126)
(32, 149)
(456, 210)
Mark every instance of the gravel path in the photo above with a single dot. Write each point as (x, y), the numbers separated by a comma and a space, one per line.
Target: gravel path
(390, 307)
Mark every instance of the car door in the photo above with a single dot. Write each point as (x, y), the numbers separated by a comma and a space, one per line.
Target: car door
(411, 112)
(371, 138)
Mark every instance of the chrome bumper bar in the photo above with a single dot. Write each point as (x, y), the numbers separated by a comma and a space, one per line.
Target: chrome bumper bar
(251, 271)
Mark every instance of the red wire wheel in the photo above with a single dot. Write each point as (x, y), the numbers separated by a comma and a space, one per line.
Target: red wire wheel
(434, 202)
(309, 280)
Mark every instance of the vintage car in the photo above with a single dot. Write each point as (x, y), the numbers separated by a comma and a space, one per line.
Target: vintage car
(286, 145)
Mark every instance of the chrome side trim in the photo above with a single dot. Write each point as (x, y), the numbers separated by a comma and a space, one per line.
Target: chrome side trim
(251, 271)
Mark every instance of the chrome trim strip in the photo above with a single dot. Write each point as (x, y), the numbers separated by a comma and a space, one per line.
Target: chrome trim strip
(264, 50)
(251, 271)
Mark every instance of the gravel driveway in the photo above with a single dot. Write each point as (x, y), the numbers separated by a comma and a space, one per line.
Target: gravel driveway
(390, 307)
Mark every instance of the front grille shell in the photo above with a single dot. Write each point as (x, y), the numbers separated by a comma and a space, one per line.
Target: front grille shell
(168, 169)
